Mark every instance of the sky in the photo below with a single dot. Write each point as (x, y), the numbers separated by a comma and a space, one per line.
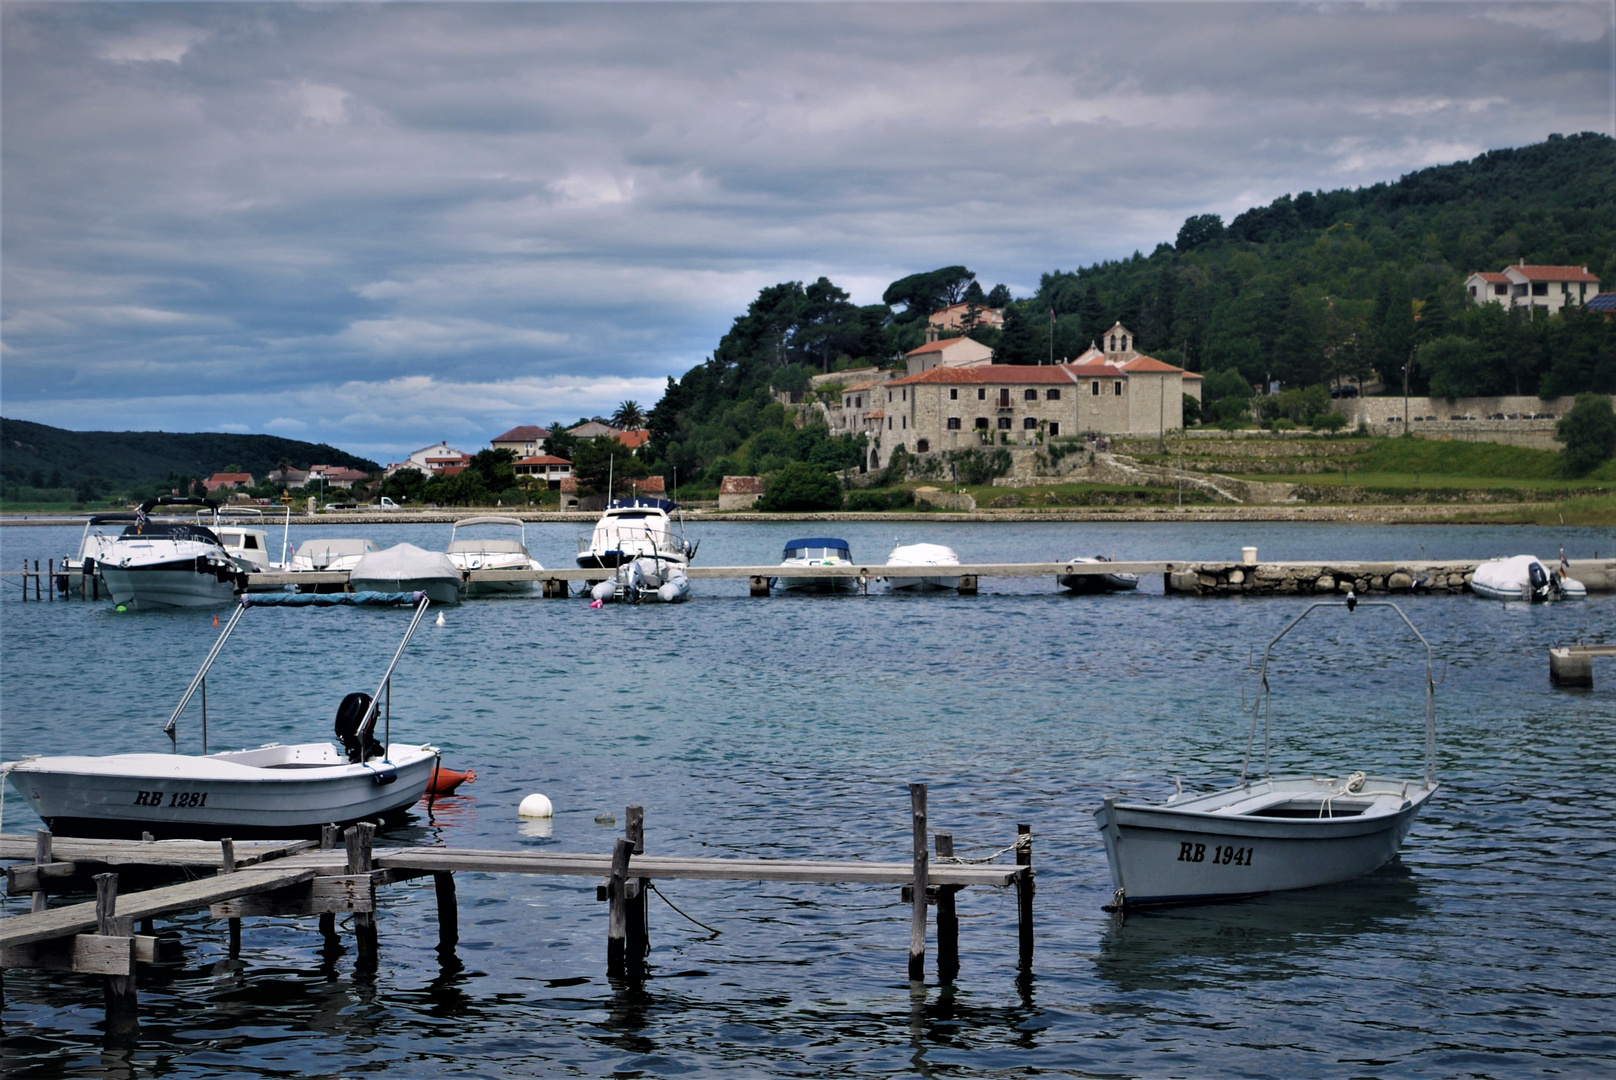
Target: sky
(385, 225)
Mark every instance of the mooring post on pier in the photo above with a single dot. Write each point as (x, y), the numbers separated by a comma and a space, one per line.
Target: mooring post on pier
(120, 989)
(637, 894)
(917, 919)
(1024, 891)
(227, 865)
(617, 910)
(42, 855)
(330, 835)
(359, 838)
(967, 585)
(947, 917)
(448, 912)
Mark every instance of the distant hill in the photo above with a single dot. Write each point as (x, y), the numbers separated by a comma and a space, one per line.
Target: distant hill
(35, 455)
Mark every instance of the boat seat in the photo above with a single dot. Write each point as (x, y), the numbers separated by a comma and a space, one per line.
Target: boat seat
(350, 714)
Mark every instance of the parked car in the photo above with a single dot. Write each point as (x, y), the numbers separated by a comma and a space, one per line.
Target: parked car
(330, 506)
(386, 504)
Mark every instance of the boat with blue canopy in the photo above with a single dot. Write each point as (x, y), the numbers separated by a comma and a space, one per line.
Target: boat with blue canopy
(816, 551)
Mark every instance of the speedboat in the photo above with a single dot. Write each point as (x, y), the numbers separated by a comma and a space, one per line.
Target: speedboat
(1094, 583)
(814, 552)
(493, 553)
(157, 563)
(329, 554)
(407, 568)
(274, 790)
(241, 530)
(926, 563)
(634, 528)
(1268, 835)
(1524, 577)
(100, 534)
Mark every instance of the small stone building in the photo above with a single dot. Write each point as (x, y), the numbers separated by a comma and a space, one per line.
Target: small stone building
(739, 492)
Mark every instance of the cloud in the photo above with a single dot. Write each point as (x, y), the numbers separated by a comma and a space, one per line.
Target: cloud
(397, 223)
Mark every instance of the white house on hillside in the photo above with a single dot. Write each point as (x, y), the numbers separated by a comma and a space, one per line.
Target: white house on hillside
(1551, 288)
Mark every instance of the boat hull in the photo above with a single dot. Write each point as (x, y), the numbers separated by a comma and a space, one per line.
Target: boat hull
(1098, 583)
(175, 796)
(1161, 855)
(168, 585)
(440, 590)
(922, 584)
(821, 585)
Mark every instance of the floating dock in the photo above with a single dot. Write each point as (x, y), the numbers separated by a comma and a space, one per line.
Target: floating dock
(342, 873)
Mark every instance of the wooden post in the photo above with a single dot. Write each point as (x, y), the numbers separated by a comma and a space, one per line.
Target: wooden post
(120, 989)
(636, 923)
(50, 574)
(617, 915)
(1024, 891)
(359, 839)
(947, 918)
(330, 836)
(42, 855)
(227, 865)
(917, 921)
(448, 912)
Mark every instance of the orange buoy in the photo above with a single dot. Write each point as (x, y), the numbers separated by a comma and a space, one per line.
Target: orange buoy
(216, 620)
(445, 780)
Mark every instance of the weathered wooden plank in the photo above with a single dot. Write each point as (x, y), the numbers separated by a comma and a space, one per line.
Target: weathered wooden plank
(186, 896)
(31, 877)
(444, 860)
(93, 954)
(320, 896)
(156, 853)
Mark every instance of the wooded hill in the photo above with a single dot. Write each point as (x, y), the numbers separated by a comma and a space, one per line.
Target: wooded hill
(99, 463)
(1311, 288)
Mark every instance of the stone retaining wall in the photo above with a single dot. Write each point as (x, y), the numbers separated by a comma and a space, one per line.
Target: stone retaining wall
(1278, 579)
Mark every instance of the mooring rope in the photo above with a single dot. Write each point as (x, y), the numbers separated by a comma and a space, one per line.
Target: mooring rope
(1023, 843)
(676, 907)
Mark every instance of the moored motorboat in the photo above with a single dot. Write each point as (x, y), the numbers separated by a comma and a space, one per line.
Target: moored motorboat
(1524, 577)
(493, 553)
(645, 578)
(927, 565)
(1095, 583)
(407, 568)
(100, 534)
(634, 528)
(274, 790)
(324, 554)
(1268, 835)
(242, 532)
(156, 563)
(816, 551)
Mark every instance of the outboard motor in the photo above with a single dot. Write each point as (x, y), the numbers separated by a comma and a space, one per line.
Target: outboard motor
(350, 714)
(1540, 581)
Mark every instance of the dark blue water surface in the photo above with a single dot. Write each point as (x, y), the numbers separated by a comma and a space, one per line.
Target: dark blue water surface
(791, 727)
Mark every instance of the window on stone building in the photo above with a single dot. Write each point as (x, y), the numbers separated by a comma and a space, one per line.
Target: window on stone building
(982, 423)
(1004, 423)
(906, 393)
(1004, 397)
(1054, 429)
(889, 397)
(981, 393)
(889, 423)
(953, 423)
(1095, 389)
(953, 393)
(1119, 388)
(906, 423)
(1030, 395)
(1052, 394)
(1029, 423)
(923, 447)
(1124, 342)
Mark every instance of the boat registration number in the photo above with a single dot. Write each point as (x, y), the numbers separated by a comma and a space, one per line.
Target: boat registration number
(175, 798)
(1222, 854)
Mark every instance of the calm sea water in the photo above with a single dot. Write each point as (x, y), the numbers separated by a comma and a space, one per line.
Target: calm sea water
(791, 727)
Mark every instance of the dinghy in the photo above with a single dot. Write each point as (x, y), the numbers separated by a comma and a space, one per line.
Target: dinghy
(1268, 835)
(274, 790)
(1524, 577)
(1094, 583)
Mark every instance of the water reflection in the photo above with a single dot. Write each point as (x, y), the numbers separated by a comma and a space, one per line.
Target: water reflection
(1268, 937)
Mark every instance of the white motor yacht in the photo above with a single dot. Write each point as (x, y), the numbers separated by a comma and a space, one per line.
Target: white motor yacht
(927, 565)
(634, 528)
(493, 553)
(1280, 832)
(274, 790)
(816, 551)
(329, 553)
(242, 531)
(158, 563)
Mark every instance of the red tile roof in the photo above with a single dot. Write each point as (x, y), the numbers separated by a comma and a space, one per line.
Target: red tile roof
(1488, 275)
(876, 414)
(634, 439)
(1554, 273)
(988, 373)
(1188, 375)
(649, 485)
(525, 433)
(940, 345)
(544, 459)
(741, 485)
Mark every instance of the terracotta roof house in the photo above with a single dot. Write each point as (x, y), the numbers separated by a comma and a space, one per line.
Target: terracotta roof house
(739, 492)
(524, 441)
(227, 480)
(655, 486)
(553, 470)
(634, 439)
(1551, 288)
(957, 316)
(947, 352)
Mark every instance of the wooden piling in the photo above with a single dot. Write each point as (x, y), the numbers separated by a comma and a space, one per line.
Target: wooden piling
(1024, 892)
(50, 575)
(947, 918)
(448, 912)
(227, 865)
(120, 989)
(917, 919)
(329, 837)
(359, 839)
(617, 913)
(637, 895)
(42, 855)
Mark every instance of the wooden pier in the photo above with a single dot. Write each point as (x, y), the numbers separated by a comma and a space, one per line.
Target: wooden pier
(343, 872)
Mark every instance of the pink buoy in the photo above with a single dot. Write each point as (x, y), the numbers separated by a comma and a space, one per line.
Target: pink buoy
(596, 603)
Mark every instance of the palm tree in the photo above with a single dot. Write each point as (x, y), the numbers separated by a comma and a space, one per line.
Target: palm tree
(628, 417)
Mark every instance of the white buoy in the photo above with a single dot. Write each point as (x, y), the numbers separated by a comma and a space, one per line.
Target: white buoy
(440, 619)
(535, 806)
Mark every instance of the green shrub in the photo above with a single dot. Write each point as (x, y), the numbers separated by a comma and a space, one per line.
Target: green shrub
(1589, 434)
(801, 486)
(869, 500)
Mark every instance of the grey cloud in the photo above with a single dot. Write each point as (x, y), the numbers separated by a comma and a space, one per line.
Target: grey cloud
(207, 198)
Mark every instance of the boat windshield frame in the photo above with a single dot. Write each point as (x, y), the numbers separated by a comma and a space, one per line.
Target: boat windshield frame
(1264, 699)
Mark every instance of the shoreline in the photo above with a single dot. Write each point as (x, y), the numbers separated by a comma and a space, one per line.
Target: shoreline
(1357, 513)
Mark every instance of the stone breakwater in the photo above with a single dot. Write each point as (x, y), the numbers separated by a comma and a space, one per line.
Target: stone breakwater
(1315, 579)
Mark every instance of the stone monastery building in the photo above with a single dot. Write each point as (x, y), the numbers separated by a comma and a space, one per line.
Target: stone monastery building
(1112, 389)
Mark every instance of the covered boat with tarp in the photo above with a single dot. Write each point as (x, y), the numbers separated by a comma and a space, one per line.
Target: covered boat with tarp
(407, 568)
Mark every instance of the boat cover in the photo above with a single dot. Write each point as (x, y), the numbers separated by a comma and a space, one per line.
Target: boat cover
(818, 542)
(330, 599)
(404, 562)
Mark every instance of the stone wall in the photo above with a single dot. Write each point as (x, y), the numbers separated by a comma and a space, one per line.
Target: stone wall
(1321, 579)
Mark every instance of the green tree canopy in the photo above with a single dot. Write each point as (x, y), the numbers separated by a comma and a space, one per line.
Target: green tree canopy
(1589, 434)
(802, 486)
